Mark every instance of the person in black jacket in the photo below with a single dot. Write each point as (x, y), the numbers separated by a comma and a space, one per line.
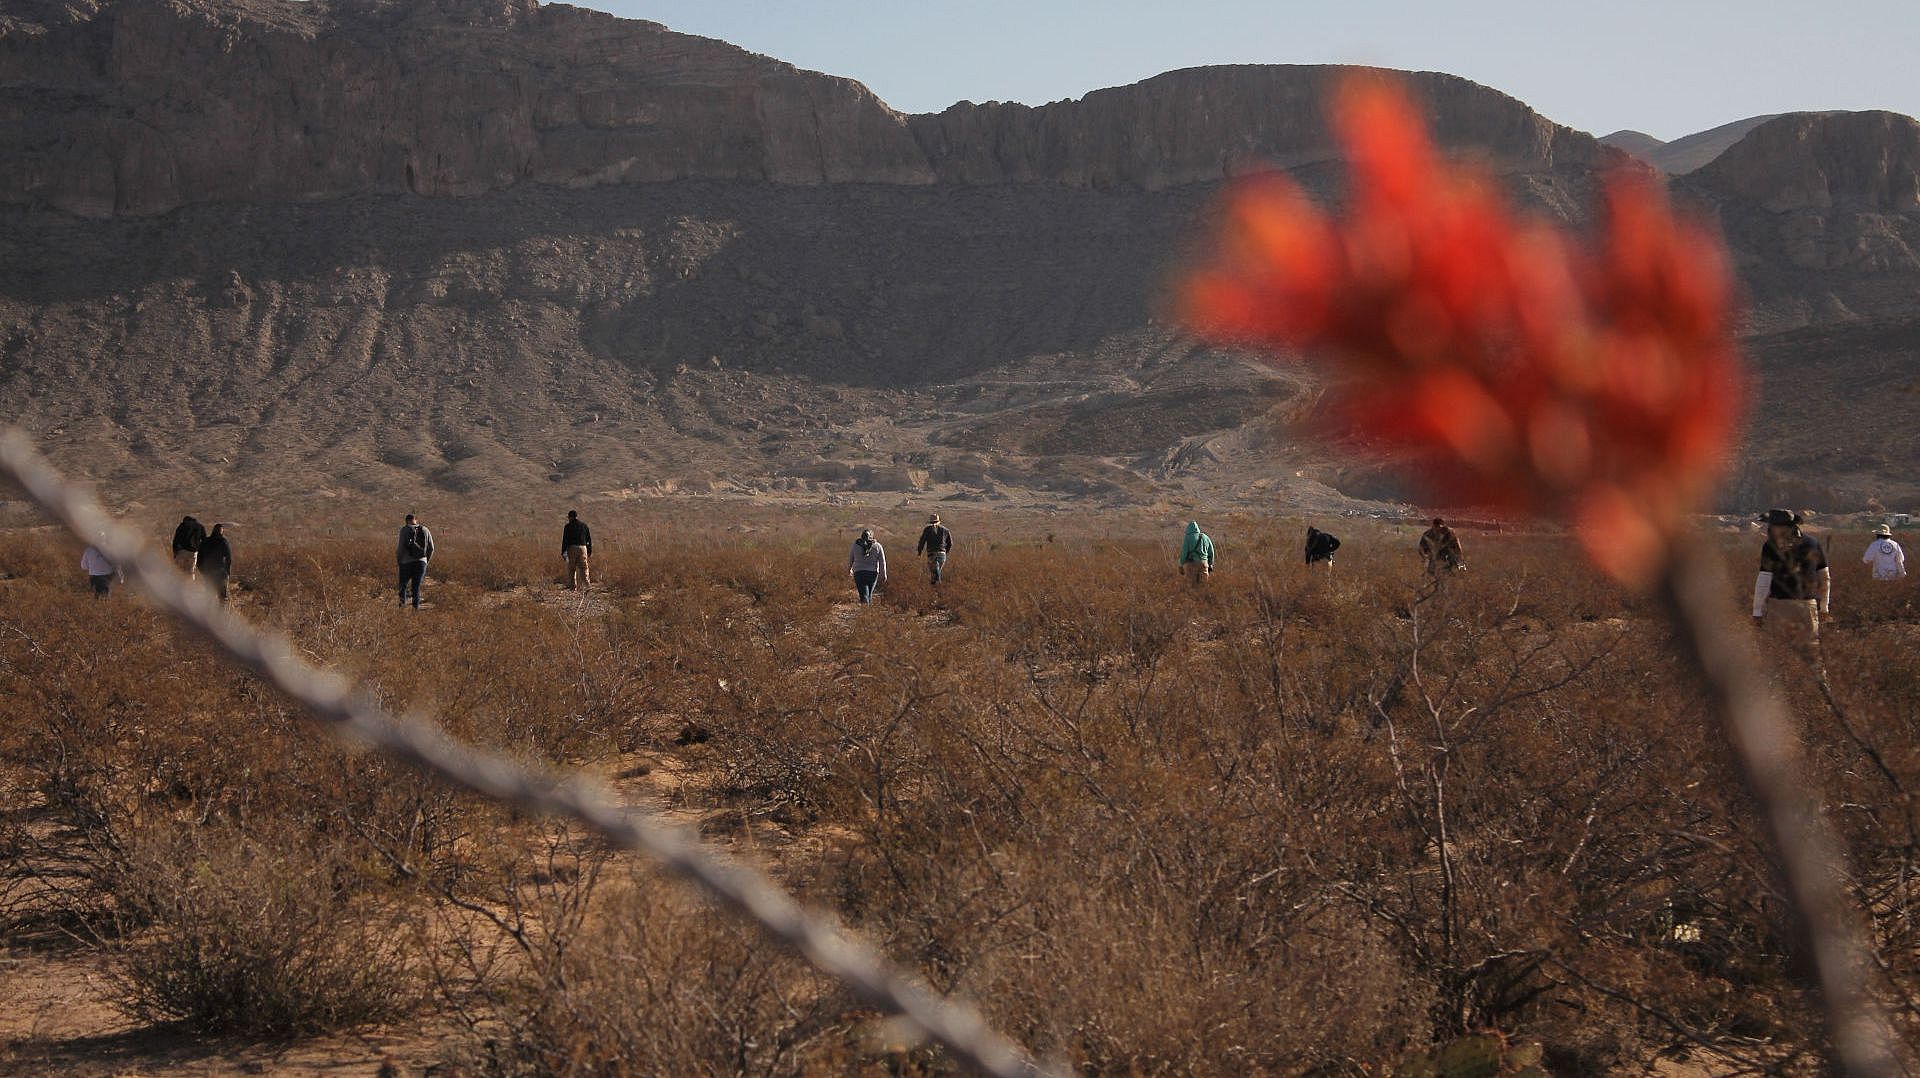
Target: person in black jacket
(186, 544)
(1320, 547)
(576, 546)
(216, 560)
(936, 542)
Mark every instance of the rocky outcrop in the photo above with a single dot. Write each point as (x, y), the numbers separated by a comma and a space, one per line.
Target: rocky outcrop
(1854, 160)
(1822, 212)
(141, 106)
(1205, 123)
(129, 107)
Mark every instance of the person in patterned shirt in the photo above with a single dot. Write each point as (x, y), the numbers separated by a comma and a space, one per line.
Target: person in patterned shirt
(1795, 587)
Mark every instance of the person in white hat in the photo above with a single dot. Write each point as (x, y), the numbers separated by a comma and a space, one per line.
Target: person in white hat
(1888, 560)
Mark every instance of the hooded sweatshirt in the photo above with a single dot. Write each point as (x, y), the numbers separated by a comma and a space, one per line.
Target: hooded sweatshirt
(216, 557)
(426, 541)
(188, 535)
(867, 557)
(1197, 547)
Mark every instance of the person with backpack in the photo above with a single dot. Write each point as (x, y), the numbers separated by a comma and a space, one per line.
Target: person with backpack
(576, 546)
(186, 545)
(1440, 549)
(1320, 547)
(415, 551)
(1196, 554)
(936, 542)
(216, 560)
(100, 572)
(867, 562)
(1889, 562)
(1794, 588)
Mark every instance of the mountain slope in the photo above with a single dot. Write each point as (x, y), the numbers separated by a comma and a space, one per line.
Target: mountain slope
(488, 247)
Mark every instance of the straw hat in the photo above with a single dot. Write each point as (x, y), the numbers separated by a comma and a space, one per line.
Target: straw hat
(1883, 531)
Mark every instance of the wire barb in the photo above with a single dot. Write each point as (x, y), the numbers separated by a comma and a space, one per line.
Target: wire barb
(417, 742)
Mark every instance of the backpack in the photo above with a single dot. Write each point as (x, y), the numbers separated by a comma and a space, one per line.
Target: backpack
(416, 544)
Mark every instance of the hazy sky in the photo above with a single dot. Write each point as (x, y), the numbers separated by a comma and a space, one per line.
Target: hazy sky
(1668, 69)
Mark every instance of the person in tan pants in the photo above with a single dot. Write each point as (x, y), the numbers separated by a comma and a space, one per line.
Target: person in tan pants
(576, 545)
(1794, 589)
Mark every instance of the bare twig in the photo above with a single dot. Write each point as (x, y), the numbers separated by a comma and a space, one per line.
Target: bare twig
(330, 700)
(1773, 764)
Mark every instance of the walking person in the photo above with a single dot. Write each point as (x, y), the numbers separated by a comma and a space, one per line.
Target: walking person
(1196, 554)
(186, 545)
(576, 546)
(100, 572)
(1889, 562)
(1320, 547)
(216, 560)
(868, 564)
(1794, 589)
(936, 542)
(1440, 549)
(414, 552)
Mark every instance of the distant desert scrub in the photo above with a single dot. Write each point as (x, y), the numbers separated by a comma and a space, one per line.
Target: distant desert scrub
(1292, 820)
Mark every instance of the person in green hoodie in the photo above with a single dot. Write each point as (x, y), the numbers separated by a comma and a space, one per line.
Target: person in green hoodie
(1196, 554)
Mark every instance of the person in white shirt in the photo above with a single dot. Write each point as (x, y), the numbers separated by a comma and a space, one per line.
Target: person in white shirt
(100, 572)
(1888, 560)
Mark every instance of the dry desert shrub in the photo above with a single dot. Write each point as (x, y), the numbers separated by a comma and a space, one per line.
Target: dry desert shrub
(229, 934)
(1290, 821)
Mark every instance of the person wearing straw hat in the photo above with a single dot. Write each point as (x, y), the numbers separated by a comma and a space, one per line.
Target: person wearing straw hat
(936, 542)
(1794, 589)
(216, 560)
(1889, 562)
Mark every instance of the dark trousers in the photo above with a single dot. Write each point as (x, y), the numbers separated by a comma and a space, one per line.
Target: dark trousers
(936, 564)
(101, 585)
(412, 575)
(217, 580)
(865, 580)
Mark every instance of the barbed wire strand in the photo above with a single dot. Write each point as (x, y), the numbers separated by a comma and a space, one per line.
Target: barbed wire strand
(339, 706)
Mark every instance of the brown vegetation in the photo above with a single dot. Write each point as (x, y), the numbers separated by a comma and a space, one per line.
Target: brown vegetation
(1293, 821)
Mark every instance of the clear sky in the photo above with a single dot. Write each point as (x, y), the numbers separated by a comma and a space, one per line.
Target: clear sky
(1668, 69)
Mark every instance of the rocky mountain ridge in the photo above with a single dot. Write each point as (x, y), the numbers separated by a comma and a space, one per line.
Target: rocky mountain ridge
(143, 106)
(482, 247)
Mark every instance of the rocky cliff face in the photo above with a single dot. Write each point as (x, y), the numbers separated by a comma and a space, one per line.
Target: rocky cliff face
(1823, 214)
(1860, 161)
(1203, 124)
(142, 106)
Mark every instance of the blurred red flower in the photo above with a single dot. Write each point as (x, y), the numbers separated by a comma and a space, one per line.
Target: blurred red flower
(1598, 386)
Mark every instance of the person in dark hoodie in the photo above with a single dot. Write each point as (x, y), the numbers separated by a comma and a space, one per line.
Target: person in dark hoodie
(1440, 549)
(186, 545)
(415, 550)
(216, 560)
(1320, 547)
(576, 545)
(867, 561)
(936, 542)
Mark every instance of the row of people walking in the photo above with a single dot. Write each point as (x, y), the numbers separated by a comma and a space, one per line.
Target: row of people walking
(1794, 583)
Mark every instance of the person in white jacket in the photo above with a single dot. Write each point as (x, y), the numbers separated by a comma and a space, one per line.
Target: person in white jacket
(100, 572)
(1889, 562)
